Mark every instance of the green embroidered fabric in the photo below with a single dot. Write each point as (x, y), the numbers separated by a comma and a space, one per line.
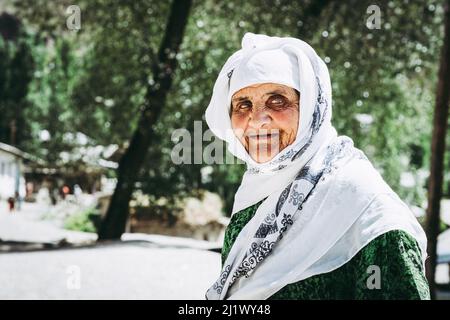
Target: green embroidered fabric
(396, 253)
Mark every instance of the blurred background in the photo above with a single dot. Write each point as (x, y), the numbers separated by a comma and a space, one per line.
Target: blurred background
(91, 203)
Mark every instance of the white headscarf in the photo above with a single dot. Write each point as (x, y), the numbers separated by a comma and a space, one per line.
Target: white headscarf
(324, 201)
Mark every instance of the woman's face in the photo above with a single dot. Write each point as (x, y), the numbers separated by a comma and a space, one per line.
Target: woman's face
(265, 119)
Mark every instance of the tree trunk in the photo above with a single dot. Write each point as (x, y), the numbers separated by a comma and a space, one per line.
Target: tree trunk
(437, 152)
(131, 162)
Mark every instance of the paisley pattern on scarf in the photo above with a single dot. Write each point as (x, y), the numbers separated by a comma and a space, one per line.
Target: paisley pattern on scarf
(395, 252)
(267, 235)
(326, 165)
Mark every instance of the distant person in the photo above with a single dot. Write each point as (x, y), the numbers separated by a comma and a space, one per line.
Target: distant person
(18, 199)
(54, 196)
(29, 190)
(65, 191)
(312, 218)
(77, 191)
(11, 204)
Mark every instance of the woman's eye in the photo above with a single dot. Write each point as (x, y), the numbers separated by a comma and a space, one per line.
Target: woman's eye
(276, 100)
(244, 105)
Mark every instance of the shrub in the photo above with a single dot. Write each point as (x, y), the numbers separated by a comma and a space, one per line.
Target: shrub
(86, 221)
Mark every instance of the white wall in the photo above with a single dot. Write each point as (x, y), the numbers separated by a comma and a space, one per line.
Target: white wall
(10, 167)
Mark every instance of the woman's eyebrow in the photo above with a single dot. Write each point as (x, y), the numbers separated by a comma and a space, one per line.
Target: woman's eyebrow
(240, 98)
(278, 91)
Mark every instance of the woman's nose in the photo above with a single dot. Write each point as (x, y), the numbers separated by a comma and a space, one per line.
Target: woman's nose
(258, 118)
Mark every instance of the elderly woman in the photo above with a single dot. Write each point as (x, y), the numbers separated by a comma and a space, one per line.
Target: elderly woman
(312, 218)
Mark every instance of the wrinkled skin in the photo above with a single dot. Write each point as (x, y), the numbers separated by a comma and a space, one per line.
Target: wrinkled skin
(265, 118)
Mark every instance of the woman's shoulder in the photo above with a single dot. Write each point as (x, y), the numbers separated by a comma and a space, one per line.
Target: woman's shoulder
(358, 177)
(390, 247)
(395, 237)
(391, 263)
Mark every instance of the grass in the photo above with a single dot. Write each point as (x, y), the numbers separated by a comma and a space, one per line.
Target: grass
(86, 221)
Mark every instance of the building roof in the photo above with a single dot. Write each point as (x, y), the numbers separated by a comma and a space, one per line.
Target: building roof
(21, 154)
(12, 150)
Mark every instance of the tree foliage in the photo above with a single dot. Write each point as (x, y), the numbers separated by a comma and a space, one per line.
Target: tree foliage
(91, 81)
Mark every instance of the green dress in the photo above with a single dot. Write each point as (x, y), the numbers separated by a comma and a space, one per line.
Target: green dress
(396, 253)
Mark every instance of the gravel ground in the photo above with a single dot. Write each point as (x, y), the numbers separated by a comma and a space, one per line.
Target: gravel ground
(116, 271)
(141, 267)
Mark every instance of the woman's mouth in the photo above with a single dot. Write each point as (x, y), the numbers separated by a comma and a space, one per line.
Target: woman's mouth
(264, 137)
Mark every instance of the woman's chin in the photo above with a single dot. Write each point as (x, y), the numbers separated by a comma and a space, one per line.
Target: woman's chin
(263, 158)
(265, 152)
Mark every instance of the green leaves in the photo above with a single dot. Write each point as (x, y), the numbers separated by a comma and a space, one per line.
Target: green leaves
(93, 81)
